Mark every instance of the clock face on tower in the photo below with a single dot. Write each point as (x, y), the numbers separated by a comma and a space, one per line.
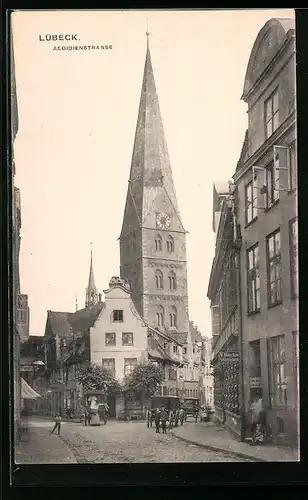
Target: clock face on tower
(162, 220)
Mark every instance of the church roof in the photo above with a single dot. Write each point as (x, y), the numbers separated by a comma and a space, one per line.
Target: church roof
(91, 282)
(14, 115)
(66, 323)
(150, 174)
(181, 338)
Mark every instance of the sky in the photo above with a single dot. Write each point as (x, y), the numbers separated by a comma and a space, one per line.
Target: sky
(77, 118)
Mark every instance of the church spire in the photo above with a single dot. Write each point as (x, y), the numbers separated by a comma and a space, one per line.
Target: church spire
(91, 291)
(150, 174)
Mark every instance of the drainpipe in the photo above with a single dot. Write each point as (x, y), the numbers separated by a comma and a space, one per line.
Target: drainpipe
(237, 241)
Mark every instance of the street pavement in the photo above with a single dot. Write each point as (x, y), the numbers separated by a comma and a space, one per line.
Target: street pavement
(116, 442)
(218, 438)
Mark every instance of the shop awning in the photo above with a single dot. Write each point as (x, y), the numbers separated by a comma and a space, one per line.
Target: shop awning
(27, 392)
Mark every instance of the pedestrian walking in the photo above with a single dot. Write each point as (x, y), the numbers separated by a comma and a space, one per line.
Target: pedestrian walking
(176, 417)
(164, 418)
(57, 425)
(171, 419)
(182, 416)
(157, 420)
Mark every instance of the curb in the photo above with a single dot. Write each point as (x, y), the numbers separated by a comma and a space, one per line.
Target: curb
(220, 450)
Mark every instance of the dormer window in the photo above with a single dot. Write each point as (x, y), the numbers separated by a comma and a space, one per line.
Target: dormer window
(117, 315)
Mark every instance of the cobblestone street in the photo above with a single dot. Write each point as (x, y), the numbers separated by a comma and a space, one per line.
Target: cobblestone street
(114, 443)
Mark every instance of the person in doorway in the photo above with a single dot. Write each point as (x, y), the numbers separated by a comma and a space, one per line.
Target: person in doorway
(164, 418)
(57, 425)
(257, 418)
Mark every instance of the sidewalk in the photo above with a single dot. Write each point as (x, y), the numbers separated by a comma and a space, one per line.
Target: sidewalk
(213, 437)
(40, 446)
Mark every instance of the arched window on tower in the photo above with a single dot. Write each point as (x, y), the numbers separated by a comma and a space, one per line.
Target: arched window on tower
(172, 280)
(160, 316)
(159, 279)
(173, 317)
(158, 243)
(170, 244)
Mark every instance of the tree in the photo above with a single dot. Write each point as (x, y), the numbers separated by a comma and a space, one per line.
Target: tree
(143, 381)
(98, 378)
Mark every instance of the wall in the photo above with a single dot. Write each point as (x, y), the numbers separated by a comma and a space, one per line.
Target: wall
(281, 319)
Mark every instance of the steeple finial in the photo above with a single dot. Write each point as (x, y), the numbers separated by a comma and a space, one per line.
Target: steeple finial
(147, 34)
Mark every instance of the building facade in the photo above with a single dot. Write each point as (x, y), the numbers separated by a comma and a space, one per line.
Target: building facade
(262, 206)
(223, 293)
(153, 239)
(266, 180)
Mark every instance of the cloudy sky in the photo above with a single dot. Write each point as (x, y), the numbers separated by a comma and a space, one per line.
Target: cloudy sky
(77, 117)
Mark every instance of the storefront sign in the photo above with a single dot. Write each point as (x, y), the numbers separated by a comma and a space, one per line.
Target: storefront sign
(255, 382)
(26, 368)
(231, 356)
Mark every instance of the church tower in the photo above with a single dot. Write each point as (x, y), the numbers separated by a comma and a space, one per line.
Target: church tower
(153, 239)
(91, 290)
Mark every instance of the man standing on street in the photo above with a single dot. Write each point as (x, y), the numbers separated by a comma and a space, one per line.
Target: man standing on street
(57, 425)
(164, 418)
(157, 419)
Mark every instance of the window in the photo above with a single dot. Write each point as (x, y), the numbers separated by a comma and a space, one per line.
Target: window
(175, 349)
(255, 359)
(215, 313)
(129, 365)
(110, 338)
(170, 244)
(271, 114)
(296, 368)
(172, 373)
(127, 338)
(160, 316)
(274, 268)
(184, 350)
(272, 184)
(158, 243)
(253, 280)
(109, 364)
(173, 317)
(117, 315)
(159, 279)
(165, 345)
(276, 372)
(293, 165)
(251, 197)
(172, 281)
(294, 257)
(165, 391)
